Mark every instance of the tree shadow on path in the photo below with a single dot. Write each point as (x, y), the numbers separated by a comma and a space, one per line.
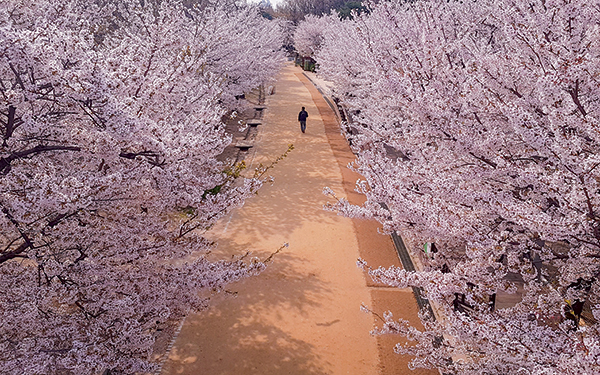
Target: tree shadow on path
(297, 316)
(295, 197)
(242, 333)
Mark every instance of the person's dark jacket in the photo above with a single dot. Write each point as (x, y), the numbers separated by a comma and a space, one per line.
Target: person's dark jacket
(302, 116)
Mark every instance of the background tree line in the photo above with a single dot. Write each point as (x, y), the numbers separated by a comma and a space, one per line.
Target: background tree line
(296, 10)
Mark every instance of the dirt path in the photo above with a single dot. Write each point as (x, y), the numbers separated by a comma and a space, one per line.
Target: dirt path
(301, 316)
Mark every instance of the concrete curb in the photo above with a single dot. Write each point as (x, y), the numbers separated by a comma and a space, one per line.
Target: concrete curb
(327, 99)
(408, 265)
(170, 347)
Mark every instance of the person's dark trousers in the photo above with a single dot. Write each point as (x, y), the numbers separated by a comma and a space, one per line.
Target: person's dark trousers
(303, 126)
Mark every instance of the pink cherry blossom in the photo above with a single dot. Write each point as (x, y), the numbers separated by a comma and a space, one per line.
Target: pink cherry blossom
(478, 131)
(110, 114)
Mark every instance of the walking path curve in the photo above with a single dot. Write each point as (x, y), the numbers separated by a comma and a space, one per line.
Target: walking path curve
(302, 315)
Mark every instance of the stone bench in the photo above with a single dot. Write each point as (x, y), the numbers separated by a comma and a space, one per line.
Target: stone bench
(254, 122)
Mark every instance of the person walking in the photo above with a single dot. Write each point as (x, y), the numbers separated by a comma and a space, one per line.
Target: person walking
(302, 118)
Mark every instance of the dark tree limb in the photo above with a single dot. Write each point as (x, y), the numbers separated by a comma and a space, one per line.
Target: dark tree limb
(16, 253)
(17, 76)
(87, 107)
(11, 123)
(574, 92)
(27, 243)
(5, 162)
(152, 157)
(59, 218)
(486, 161)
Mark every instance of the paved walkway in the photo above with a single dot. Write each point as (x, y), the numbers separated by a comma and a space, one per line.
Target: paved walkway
(301, 316)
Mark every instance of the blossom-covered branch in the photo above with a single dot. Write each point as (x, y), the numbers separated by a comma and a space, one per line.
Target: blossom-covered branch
(478, 131)
(110, 115)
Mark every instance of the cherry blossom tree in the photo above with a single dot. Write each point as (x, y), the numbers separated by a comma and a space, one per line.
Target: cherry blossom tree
(308, 36)
(479, 133)
(110, 121)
